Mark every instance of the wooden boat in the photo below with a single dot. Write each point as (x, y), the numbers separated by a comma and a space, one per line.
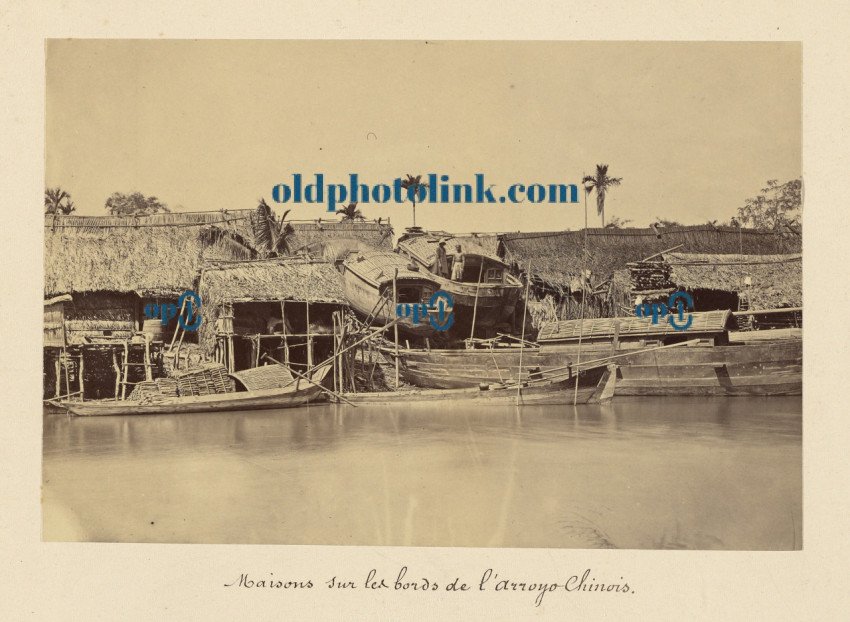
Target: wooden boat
(594, 385)
(298, 393)
(368, 282)
(492, 302)
(720, 361)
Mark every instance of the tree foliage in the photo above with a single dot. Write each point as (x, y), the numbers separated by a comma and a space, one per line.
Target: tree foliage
(601, 183)
(135, 204)
(776, 205)
(416, 184)
(57, 201)
(269, 237)
(617, 223)
(350, 212)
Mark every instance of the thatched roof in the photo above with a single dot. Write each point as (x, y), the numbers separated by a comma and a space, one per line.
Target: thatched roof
(284, 278)
(375, 234)
(162, 254)
(424, 247)
(556, 256)
(158, 255)
(776, 280)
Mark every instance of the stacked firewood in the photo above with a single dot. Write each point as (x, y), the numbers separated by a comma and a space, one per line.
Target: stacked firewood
(649, 276)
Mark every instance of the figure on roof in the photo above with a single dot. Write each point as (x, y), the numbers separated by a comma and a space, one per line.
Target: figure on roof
(458, 259)
(440, 266)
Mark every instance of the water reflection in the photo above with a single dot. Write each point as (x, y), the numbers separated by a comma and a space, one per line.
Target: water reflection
(645, 473)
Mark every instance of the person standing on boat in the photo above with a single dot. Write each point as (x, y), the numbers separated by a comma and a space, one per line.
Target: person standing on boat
(458, 260)
(440, 266)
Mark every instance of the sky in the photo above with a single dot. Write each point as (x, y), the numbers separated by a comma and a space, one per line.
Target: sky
(693, 129)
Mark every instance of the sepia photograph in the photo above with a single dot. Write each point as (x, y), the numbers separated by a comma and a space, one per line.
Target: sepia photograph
(512, 294)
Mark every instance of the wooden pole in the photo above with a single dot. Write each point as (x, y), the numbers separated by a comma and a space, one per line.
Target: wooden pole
(522, 343)
(395, 307)
(309, 341)
(81, 371)
(57, 365)
(285, 338)
(67, 373)
(117, 372)
(661, 253)
(336, 347)
(475, 304)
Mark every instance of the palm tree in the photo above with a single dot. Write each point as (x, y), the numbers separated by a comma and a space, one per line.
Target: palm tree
(350, 212)
(269, 235)
(601, 183)
(416, 184)
(57, 201)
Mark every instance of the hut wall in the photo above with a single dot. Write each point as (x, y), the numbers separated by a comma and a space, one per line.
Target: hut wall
(54, 325)
(102, 314)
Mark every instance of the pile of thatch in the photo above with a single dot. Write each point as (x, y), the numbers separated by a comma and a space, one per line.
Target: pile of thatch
(556, 257)
(775, 280)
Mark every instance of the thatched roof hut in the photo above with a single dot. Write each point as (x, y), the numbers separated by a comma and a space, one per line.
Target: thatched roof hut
(775, 281)
(269, 280)
(556, 256)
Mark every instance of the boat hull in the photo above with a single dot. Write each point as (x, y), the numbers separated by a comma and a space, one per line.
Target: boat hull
(552, 393)
(753, 368)
(299, 393)
(363, 297)
(495, 303)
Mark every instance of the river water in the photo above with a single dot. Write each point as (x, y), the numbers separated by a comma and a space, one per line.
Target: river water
(649, 473)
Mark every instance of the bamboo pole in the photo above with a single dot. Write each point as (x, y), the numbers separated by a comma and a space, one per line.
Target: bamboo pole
(768, 311)
(475, 304)
(395, 309)
(522, 343)
(583, 293)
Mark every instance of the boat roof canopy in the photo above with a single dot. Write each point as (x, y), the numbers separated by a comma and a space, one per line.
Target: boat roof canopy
(704, 322)
(424, 247)
(379, 267)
